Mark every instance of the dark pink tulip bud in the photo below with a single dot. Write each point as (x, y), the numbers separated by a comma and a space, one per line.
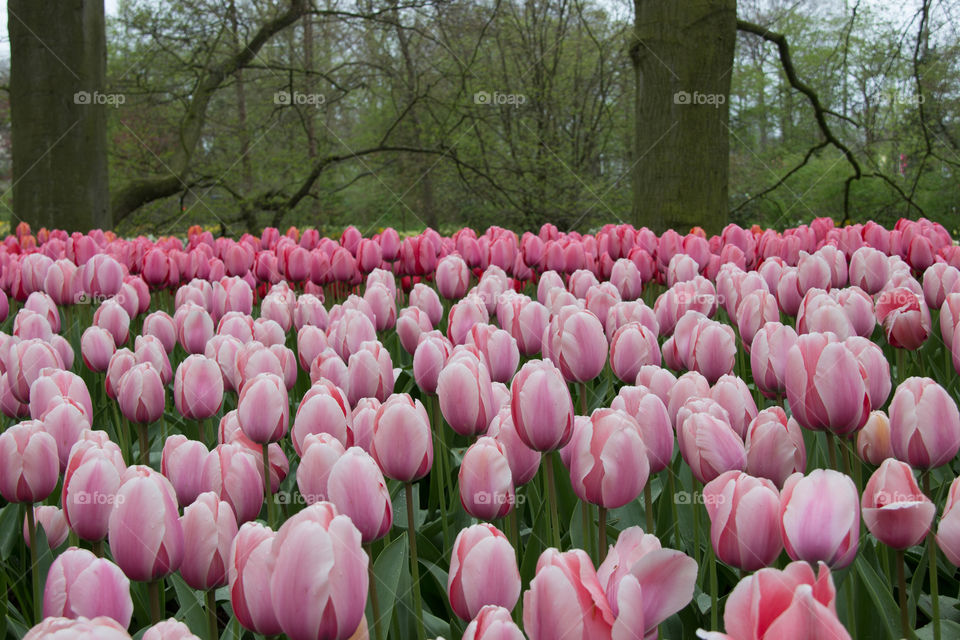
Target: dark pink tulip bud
(209, 527)
(483, 572)
(924, 424)
(402, 440)
(230, 471)
(28, 457)
(81, 585)
(146, 538)
(820, 517)
(541, 406)
(744, 520)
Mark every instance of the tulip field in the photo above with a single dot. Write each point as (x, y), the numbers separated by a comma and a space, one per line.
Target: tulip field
(489, 436)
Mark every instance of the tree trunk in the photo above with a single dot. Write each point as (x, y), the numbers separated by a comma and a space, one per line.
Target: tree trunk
(682, 57)
(59, 113)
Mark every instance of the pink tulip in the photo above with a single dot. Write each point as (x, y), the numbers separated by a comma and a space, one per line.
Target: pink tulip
(254, 358)
(323, 409)
(92, 478)
(608, 464)
(370, 373)
(873, 441)
(709, 445)
(182, 463)
(523, 460)
(10, 406)
(209, 527)
(150, 349)
(169, 629)
(485, 480)
(731, 393)
(97, 347)
(356, 485)
(114, 318)
(224, 350)
(948, 532)
(565, 599)
(499, 350)
(402, 440)
(524, 319)
(427, 300)
(452, 277)
(412, 323)
(744, 520)
(541, 406)
(429, 359)
(493, 623)
(768, 357)
(625, 312)
(383, 304)
(160, 325)
(466, 394)
(876, 367)
(644, 583)
(25, 362)
(820, 517)
(230, 471)
(65, 420)
(894, 509)
(869, 269)
(653, 422)
(141, 394)
(194, 328)
(462, 316)
(346, 334)
(327, 601)
(755, 310)
(710, 349)
(311, 341)
(660, 381)
(792, 603)
(483, 571)
(320, 452)
(819, 313)
(53, 523)
(263, 409)
(309, 310)
(826, 385)
(924, 424)
(29, 463)
(576, 343)
(146, 538)
(904, 316)
(79, 584)
(249, 571)
(939, 280)
(100, 628)
(120, 362)
(775, 447)
(633, 346)
(198, 387)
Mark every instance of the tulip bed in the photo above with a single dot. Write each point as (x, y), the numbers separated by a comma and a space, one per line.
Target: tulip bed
(554, 435)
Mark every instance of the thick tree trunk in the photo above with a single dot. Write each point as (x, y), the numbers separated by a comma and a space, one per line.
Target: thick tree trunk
(59, 113)
(682, 56)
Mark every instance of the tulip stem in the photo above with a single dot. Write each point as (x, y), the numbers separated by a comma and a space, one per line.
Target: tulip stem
(441, 456)
(514, 533)
(696, 523)
(831, 451)
(153, 590)
(202, 431)
(144, 445)
(602, 529)
(648, 506)
(212, 614)
(714, 613)
(902, 588)
(34, 575)
(552, 497)
(901, 366)
(932, 552)
(583, 398)
(672, 487)
(97, 548)
(414, 563)
(267, 492)
(374, 602)
(123, 427)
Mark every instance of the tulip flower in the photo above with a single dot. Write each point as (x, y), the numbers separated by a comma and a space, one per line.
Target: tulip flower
(524, 319)
(263, 408)
(483, 572)
(768, 357)
(356, 486)
(485, 479)
(29, 463)
(498, 348)
(452, 276)
(97, 347)
(230, 471)
(100, 628)
(160, 325)
(565, 599)
(633, 346)
(608, 464)
(873, 440)
(775, 447)
(194, 328)
(323, 409)
(653, 422)
(792, 603)
(429, 359)
(327, 601)
(576, 343)
(90, 483)
(493, 623)
(141, 394)
(411, 324)
(249, 573)
(924, 424)
(541, 406)
(710, 446)
(744, 520)
(948, 532)
(182, 463)
(209, 527)
(24, 363)
(79, 584)
(370, 373)
(894, 509)
(523, 460)
(820, 517)
(169, 629)
(198, 387)
(904, 316)
(53, 522)
(466, 395)
(402, 441)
